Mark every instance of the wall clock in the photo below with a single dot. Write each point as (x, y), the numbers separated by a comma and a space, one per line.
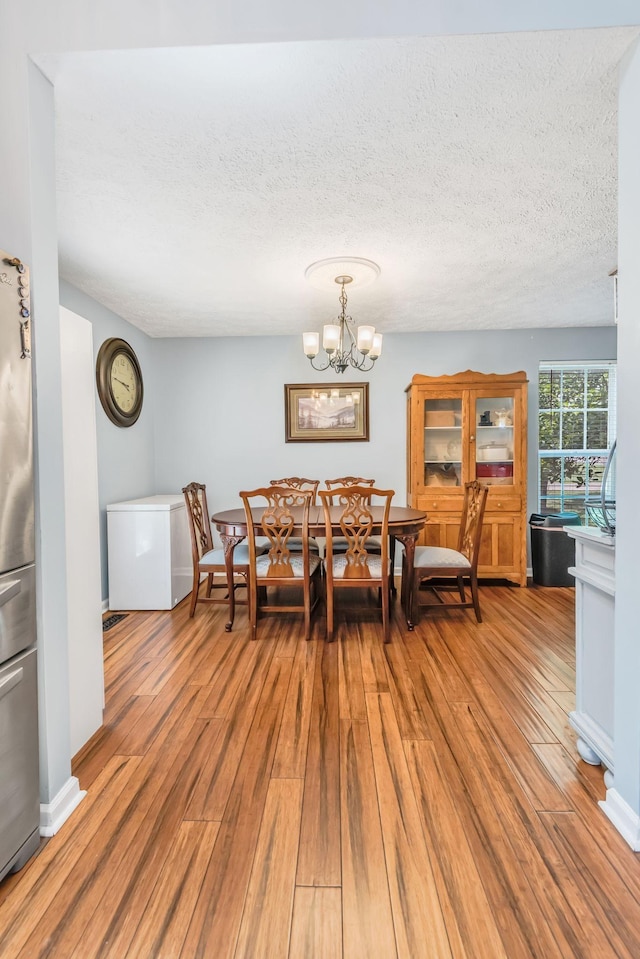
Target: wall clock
(119, 381)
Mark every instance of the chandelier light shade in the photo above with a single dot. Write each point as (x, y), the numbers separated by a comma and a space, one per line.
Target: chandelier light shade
(342, 347)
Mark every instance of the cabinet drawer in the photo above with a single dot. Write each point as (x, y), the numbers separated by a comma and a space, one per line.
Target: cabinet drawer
(503, 504)
(441, 504)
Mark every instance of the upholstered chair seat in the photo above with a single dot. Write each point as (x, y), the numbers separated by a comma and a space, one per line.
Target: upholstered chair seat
(296, 562)
(440, 556)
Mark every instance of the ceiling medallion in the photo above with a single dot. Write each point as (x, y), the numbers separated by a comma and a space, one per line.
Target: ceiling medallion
(342, 347)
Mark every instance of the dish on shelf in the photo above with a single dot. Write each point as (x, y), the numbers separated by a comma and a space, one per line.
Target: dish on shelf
(493, 453)
(502, 471)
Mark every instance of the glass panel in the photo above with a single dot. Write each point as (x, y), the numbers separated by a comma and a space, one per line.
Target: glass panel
(549, 431)
(573, 430)
(494, 440)
(550, 485)
(555, 379)
(598, 388)
(544, 389)
(573, 390)
(597, 422)
(443, 442)
(594, 479)
(574, 478)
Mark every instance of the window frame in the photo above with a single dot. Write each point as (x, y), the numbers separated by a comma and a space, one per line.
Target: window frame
(568, 501)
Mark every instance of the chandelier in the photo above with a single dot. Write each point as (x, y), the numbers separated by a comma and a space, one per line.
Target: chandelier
(343, 347)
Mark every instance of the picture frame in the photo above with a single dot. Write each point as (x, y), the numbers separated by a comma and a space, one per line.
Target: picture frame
(326, 412)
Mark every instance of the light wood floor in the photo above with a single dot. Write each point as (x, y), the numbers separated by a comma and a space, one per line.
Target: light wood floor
(290, 799)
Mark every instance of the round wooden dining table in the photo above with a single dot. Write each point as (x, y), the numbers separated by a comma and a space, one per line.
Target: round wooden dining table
(405, 524)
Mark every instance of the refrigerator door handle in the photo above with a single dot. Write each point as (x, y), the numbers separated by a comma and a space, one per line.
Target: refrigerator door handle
(9, 590)
(8, 682)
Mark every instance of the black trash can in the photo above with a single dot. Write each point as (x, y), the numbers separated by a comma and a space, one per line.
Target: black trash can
(552, 550)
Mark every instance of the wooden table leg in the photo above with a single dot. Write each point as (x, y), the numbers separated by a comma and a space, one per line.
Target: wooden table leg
(229, 544)
(408, 540)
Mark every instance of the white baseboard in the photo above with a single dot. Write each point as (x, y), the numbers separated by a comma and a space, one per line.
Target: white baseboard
(626, 821)
(105, 605)
(53, 815)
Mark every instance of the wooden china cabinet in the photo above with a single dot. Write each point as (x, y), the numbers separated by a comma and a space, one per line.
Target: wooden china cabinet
(464, 427)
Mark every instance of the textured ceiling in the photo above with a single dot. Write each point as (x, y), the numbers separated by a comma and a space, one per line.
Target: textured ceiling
(195, 186)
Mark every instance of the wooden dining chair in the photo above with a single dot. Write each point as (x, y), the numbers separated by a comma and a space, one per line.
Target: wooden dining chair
(374, 543)
(301, 482)
(209, 561)
(459, 566)
(358, 565)
(273, 512)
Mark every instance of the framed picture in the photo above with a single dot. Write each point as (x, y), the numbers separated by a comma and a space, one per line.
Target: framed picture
(326, 412)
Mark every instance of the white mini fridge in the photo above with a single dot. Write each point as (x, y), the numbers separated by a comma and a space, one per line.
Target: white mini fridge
(149, 550)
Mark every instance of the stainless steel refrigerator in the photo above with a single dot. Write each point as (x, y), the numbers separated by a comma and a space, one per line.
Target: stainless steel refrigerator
(19, 789)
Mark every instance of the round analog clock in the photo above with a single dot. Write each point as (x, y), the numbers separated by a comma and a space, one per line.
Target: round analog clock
(119, 381)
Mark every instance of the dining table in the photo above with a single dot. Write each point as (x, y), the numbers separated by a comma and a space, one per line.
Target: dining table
(405, 524)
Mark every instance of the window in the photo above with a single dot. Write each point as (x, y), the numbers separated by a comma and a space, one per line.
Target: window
(576, 427)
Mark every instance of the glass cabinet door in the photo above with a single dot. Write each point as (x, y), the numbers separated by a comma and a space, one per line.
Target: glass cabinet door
(495, 439)
(443, 453)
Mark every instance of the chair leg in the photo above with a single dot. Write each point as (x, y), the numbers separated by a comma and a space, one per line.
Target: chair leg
(463, 598)
(194, 592)
(307, 610)
(253, 608)
(392, 560)
(415, 591)
(209, 584)
(385, 613)
(475, 597)
(329, 596)
(232, 607)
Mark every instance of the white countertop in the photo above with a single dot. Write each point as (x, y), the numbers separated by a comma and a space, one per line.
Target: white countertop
(159, 501)
(591, 534)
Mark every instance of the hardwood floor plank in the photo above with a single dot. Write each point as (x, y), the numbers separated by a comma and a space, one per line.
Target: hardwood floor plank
(165, 920)
(351, 684)
(430, 645)
(368, 924)
(218, 911)
(582, 784)
(108, 740)
(223, 654)
(374, 670)
(472, 659)
(417, 914)
(471, 924)
(598, 896)
(233, 674)
(122, 690)
(174, 668)
(410, 717)
(266, 921)
(215, 783)
(316, 932)
(319, 857)
(532, 775)
(293, 740)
